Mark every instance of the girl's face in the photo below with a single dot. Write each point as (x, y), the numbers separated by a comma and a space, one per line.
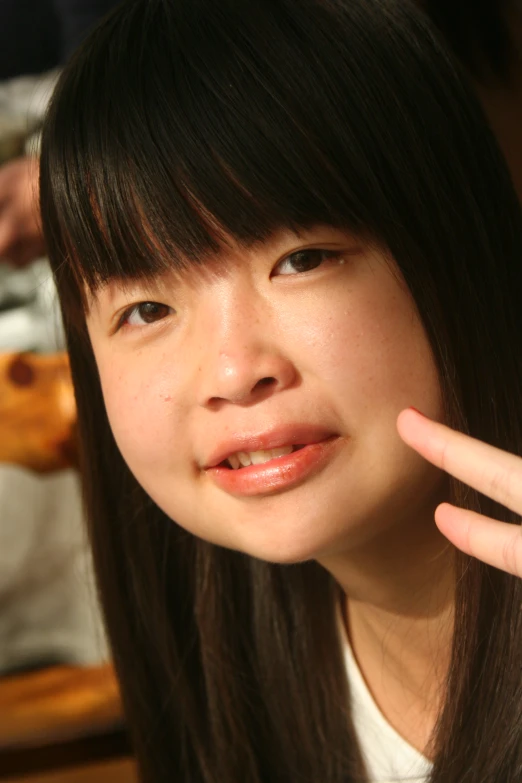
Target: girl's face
(295, 355)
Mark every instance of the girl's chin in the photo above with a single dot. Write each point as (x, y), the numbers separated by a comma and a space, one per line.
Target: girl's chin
(287, 550)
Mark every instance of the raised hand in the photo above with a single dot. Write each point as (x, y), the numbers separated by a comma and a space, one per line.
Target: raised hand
(489, 470)
(21, 239)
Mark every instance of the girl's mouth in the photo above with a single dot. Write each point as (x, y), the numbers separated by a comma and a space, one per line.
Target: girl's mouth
(270, 471)
(244, 459)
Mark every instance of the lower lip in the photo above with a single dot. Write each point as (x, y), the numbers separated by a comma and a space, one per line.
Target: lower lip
(278, 474)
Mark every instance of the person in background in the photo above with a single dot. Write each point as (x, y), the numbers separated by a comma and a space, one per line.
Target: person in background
(49, 613)
(36, 37)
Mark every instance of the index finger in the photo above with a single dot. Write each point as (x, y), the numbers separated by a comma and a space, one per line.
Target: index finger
(489, 470)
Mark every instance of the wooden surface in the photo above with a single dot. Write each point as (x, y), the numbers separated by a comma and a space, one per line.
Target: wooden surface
(59, 720)
(120, 771)
(58, 703)
(37, 411)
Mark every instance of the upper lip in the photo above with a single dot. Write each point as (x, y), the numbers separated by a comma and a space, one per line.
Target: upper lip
(287, 435)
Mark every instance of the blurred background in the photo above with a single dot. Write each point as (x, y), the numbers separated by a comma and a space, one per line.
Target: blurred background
(60, 715)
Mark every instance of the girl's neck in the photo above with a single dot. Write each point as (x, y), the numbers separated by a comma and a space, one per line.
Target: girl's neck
(404, 661)
(398, 615)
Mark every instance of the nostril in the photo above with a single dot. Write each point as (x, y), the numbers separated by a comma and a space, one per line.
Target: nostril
(265, 382)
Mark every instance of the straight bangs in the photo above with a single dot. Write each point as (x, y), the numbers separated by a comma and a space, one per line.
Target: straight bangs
(223, 126)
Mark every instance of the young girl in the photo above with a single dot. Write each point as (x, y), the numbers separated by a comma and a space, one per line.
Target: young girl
(274, 226)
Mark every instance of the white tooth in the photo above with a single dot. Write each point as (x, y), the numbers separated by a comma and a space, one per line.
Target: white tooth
(281, 451)
(234, 462)
(245, 459)
(258, 457)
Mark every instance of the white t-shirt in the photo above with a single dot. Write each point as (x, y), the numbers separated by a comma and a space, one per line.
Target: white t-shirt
(388, 757)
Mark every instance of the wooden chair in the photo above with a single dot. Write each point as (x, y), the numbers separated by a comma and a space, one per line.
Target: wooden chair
(58, 724)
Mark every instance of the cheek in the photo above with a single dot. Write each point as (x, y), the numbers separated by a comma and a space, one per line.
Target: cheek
(374, 354)
(140, 409)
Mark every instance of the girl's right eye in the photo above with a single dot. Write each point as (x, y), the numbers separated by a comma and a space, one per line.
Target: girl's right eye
(144, 313)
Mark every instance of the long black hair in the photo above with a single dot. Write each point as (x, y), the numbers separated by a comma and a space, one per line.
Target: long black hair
(178, 123)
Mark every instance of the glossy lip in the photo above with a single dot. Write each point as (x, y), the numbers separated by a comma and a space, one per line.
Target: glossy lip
(288, 435)
(278, 474)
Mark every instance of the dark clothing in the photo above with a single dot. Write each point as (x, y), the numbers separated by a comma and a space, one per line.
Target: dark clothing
(37, 35)
(78, 17)
(30, 37)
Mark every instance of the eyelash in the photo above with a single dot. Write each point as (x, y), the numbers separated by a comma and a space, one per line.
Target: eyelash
(302, 255)
(326, 255)
(126, 315)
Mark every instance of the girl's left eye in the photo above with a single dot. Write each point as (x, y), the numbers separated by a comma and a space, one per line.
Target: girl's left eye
(306, 260)
(144, 313)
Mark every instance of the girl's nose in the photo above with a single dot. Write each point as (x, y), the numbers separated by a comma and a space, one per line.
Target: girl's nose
(245, 379)
(242, 368)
